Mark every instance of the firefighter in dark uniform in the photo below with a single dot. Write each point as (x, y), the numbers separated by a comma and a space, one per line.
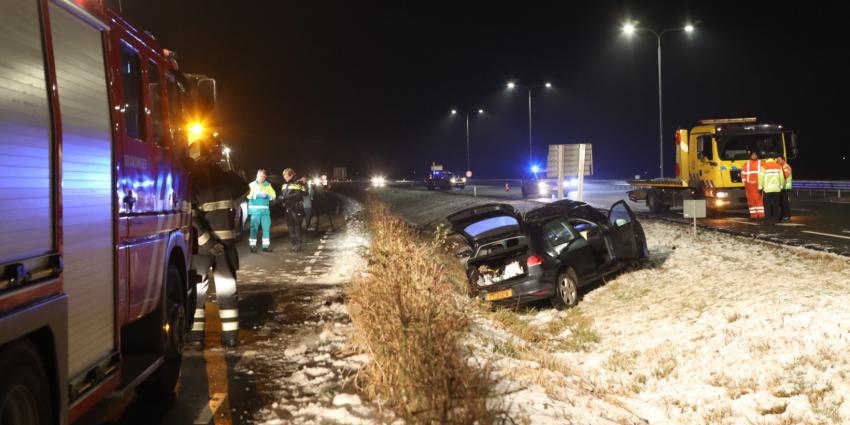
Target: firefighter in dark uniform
(292, 193)
(216, 195)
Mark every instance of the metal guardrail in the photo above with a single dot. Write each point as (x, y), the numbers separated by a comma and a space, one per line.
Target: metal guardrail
(822, 185)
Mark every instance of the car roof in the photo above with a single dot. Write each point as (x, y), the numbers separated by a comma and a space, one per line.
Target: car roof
(562, 208)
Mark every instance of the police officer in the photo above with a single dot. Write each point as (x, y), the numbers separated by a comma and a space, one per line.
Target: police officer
(216, 195)
(292, 193)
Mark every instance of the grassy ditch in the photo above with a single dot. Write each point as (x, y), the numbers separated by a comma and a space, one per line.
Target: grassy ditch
(410, 318)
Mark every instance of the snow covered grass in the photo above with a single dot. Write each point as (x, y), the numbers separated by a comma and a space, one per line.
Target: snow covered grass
(716, 329)
(410, 320)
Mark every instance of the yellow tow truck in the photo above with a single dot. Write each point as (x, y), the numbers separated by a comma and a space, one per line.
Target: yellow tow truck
(709, 161)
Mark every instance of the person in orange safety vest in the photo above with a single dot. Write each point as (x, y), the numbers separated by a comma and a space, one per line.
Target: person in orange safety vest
(750, 177)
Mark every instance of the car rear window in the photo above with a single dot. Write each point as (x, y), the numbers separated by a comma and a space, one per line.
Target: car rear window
(492, 225)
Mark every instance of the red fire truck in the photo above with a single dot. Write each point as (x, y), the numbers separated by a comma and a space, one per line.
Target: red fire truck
(95, 235)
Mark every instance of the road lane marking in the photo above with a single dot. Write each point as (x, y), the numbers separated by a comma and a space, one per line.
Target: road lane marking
(206, 414)
(308, 269)
(313, 260)
(741, 221)
(216, 367)
(827, 234)
(790, 224)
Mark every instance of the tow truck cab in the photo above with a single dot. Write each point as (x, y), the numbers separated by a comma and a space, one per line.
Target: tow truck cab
(712, 154)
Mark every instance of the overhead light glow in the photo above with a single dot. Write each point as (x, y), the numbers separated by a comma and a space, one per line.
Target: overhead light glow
(548, 85)
(227, 151)
(629, 29)
(511, 84)
(196, 130)
(689, 28)
(454, 111)
(480, 111)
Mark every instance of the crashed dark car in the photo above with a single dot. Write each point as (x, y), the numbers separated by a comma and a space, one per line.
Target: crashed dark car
(549, 253)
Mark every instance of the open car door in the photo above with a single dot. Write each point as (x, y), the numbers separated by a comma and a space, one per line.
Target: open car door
(627, 235)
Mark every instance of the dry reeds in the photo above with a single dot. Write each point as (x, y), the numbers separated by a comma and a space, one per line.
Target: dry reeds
(409, 318)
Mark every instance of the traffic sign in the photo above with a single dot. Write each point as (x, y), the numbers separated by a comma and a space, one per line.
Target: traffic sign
(570, 160)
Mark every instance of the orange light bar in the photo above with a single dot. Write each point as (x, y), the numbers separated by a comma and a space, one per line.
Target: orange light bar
(729, 121)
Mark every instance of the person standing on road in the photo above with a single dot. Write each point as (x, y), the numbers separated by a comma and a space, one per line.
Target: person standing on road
(293, 193)
(259, 200)
(771, 182)
(216, 195)
(750, 176)
(786, 191)
(308, 202)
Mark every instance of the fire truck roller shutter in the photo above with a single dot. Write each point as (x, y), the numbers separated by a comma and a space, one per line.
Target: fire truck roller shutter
(87, 208)
(25, 143)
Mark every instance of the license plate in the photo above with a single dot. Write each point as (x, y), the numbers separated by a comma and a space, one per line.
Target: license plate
(500, 295)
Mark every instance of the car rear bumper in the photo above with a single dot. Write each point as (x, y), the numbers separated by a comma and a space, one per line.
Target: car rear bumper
(524, 290)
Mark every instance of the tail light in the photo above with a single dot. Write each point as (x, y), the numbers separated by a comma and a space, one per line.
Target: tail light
(535, 260)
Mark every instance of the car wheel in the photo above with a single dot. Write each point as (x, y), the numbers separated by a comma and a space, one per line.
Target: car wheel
(24, 388)
(566, 290)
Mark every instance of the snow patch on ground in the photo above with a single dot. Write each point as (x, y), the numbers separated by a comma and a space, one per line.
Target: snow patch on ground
(716, 329)
(312, 376)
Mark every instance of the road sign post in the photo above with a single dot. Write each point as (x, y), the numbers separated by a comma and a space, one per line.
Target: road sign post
(567, 160)
(694, 208)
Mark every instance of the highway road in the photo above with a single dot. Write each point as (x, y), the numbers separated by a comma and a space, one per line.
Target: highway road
(818, 222)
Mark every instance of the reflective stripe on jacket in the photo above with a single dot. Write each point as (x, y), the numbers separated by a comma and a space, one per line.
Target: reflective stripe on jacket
(257, 204)
(750, 172)
(771, 178)
(216, 194)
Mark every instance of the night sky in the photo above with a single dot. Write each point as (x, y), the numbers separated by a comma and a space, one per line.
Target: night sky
(369, 85)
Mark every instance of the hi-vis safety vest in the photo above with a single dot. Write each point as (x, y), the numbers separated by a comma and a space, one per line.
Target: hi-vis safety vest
(256, 203)
(750, 172)
(786, 169)
(772, 177)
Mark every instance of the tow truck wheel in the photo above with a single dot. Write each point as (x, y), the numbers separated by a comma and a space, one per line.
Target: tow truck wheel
(173, 312)
(566, 290)
(24, 389)
(655, 203)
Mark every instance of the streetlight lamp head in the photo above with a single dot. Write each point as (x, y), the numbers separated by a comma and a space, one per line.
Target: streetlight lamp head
(227, 151)
(480, 111)
(689, 28)
(454, 111)
(511, 84)
(548, 85)
(629, 29)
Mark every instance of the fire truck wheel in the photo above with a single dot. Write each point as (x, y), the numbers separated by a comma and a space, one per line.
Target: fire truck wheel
(173, 312)
(24, 389)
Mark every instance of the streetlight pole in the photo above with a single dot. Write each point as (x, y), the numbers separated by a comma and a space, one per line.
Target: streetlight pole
(511, 85)
(467, 142)
(630, 29)
(466, 115)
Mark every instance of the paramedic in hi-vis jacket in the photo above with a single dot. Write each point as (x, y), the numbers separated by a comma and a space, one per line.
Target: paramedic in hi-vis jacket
(259, 200)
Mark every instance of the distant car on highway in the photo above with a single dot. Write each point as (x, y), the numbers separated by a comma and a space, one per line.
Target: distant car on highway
(548, 254)
(534, 187)
(444, 179)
